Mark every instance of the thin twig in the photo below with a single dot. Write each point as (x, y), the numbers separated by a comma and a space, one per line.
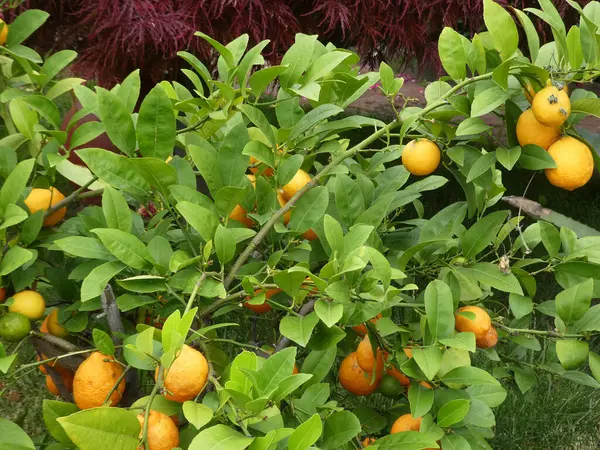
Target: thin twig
(116, 385)
(195, 291)
(71, 198)
(549, 333)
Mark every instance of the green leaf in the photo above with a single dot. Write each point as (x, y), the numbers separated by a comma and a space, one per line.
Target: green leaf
(24, 117)
(288, 169)
(116, 211)
(594, 359)
(579, 268)
(502, 28)
(129, 91)
(490, 394)
(439, 307)
(590, 321)
(580, 378)
(298, 329)
(572, 303)
(15, 184)
(306, 434)
(340, 428)
(93, 285)
(86, 132)
(348, 199)
(483, 164)
(52, 410)
(13, 216)
(261, 79)
(469, 376)
(488, 100)
(102, 428)
(330, 313)
(297, 59)
(201, 219)
(572, 353)
(83, 247)
(12, 437)
(490, 274)
(420, 399)
(143, 283)
(520, 305)
(535, 158)
(480, 235)
(409, 440)
(118, 171)
(452, 412)
(508, 157)
(126, 247)
(471, 126)
(588, 106)
(452, 54)
(309, 209)
(479, 415)
(261, 152)
(127, 302)
(220, 437)
(224, 244)
(257, 117)
(574, 50)
(14, 258)
(455, 442)
(63, 86)
(117, 121)
(24, 25)
(429, 360)
(319, 363)
(533, 40)
(462, 341)
(103, 342)
(160, 251)
(313, 118)
(197, 414)
(324, 65)
(334, 234)
(156, 125)
(44, 107)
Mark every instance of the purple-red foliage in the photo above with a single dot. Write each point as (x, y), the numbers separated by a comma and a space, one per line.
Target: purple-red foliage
(113, 37)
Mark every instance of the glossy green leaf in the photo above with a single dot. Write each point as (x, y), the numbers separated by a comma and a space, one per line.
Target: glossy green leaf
(439, 307)
(126, 247)
(482, 233)
(572, 353)
(340, 428)
(298, 329)
(502, 28)
(306, 434)
(24, 25)
(224, 244)
(116, 211)
(117, 121)
(452, 54)
(156, 125)
(573, 303)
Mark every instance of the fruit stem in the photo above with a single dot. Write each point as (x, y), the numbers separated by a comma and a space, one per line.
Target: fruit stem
(264, 231)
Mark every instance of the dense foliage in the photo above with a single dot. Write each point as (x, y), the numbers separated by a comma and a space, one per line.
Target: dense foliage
(114, 38)
(326, 239)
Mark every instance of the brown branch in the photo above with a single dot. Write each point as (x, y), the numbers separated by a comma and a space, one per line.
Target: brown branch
(58, 382)
(52, 346)
(113, 316)
(75, 196)
(306, 309)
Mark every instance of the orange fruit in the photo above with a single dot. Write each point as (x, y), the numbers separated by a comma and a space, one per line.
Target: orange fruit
(574, 164)
(408, 352)
(480, 325)
(406, 422)
(186, 377)
(265, 307)
(362, 328)
(489, 340)
(29, 303)
(551, 106)
(267, 172)
(288, 215)
(4, 32)
(162, 431)
(421, 156)
(403, 379)
(366, 359)
(53, 326)
(530, 131)
(2, 295)
(368, 441)
(67, 379)
(295, 184)
(310, 235)
(94, 379)
(239, 214)
(295, 371)
(354, 379)
(44, 199)
(44, 326)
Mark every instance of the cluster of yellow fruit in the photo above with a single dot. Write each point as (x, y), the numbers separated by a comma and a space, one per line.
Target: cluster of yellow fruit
(27, 306)
(300, 179)
(356, 373)
(541, 125)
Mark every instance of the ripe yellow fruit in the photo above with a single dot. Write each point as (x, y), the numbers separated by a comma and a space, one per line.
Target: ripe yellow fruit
(489, 340)
(94, 379)
(295, 184)
(406, 422)
(44, 199)
(187, 376)
(239, 214)
(29, 303)
(288, 215)
(421, 157)
(551, 106)
(366, 359)
(574, 163)
(480, 325)
(356, 380)
(162, 431)
(530, 131)
(4, 32)
(53, 325)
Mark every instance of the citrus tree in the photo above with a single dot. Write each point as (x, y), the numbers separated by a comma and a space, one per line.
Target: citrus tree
(308, 297)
